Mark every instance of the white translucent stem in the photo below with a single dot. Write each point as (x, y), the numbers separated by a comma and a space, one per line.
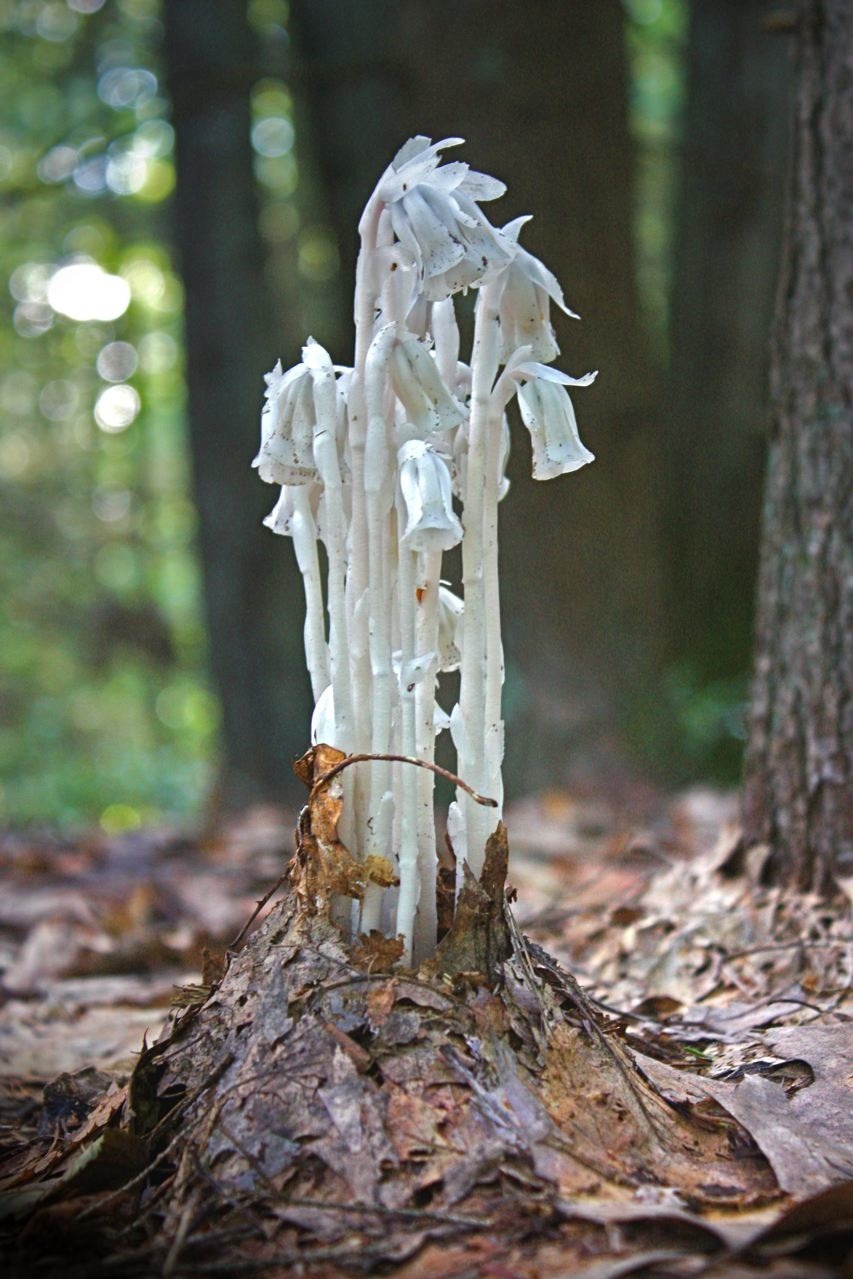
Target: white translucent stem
(493, 738)
(445, 333)
(326, 458)
(371, 909)
(407, 902)
(357, 550)
(426, 641)
(304, 531)
(379, 905)
(378, 478)
(475, 659)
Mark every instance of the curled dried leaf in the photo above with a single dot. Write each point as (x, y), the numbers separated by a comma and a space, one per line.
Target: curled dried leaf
(323, 867)
(378, 870)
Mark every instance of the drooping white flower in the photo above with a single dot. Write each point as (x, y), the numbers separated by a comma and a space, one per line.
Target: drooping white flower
(428, 403)
(281, 517)
(435, 216)
(286, 455)
(431, 524)
(549, 416)
(524, 303)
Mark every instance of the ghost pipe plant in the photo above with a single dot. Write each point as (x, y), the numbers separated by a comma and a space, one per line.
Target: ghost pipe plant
(390, 464)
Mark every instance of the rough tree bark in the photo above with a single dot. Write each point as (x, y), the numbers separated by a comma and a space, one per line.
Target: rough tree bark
(797, 792)
(252, 591)
(729, 220)
(542, 102)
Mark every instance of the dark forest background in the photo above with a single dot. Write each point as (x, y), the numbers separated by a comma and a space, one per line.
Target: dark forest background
(180, 187)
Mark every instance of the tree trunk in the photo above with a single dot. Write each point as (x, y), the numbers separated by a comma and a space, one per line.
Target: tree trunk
(252, 589)
(730, 216)
(541, 102)
(801, 724)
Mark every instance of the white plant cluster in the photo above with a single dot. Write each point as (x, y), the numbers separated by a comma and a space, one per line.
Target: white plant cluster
(391, 463)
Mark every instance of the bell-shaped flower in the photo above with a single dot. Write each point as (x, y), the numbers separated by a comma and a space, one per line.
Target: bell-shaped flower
(524, 305)
(431, 524)
(436, 218)
(450, 611)
(286, 455)
(281, 517)
(428, 403)
(549, 416)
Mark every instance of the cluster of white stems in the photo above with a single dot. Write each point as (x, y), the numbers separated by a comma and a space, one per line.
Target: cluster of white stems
(388, 465)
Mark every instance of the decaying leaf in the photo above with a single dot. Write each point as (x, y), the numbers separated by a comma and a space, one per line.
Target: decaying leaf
(377, 953)
(323, 866)
(378, 870)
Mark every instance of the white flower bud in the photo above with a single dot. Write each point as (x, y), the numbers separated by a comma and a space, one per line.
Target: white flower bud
(428, 403)
(549, 416)
(286, 455)
(426, 491)
(281, 517)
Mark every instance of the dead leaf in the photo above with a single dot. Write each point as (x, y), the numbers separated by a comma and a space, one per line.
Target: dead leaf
(380, 871)
(376, 953)
(323, 866)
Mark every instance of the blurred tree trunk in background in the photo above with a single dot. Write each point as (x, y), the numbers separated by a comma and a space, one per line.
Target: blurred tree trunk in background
(252, 589)
(729, 227)
(798, 791)
(540, 95)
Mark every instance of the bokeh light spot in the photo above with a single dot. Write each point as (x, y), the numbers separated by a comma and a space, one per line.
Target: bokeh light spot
(116, 408)
(126, 87)
(273, 136)
(116, 819)
(31, 319)
(318, 254)
(58, 400)
(111, 505)
(117, 361)
(84, 291)
(158, 352)
(57, 164)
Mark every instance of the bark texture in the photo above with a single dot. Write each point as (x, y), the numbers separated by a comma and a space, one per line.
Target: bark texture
(253, 593)
(798, 793)
(730, 222)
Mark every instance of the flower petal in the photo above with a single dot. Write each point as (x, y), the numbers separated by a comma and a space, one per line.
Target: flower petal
(547, 373)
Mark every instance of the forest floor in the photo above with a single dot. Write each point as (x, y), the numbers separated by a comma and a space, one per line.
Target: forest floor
(736, 998)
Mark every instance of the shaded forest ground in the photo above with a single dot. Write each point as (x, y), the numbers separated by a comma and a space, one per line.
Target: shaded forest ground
(736, 1002)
